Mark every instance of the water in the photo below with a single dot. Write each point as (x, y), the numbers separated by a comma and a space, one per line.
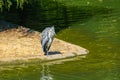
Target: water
(95, 28)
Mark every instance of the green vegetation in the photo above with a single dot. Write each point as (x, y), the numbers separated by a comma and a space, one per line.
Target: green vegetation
(8, 3)
(93, 24)
(37, 14)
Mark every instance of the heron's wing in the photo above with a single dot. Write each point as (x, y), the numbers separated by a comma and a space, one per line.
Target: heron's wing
(44, 33)
(44, 39)
(45, 30)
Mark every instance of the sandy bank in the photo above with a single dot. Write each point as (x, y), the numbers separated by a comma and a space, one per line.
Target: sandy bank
(23, 44)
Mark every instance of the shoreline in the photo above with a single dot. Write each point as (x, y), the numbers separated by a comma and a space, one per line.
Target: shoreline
(20, 44)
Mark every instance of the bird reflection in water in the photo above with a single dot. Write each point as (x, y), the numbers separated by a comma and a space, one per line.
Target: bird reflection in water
(45, 73)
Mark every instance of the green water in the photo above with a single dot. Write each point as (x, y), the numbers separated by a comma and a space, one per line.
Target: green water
(94, 25)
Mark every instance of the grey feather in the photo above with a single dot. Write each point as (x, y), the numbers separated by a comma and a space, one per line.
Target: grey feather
(47, 37)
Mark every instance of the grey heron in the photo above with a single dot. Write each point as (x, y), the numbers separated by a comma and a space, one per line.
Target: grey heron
(47, 37)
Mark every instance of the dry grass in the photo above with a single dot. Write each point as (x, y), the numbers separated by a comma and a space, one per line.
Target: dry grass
(22, 43)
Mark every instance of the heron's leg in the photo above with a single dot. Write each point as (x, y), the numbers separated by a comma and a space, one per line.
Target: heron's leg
(45, 49)
(47, 53)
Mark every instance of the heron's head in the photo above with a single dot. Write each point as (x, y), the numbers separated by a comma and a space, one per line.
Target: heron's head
(52, 30)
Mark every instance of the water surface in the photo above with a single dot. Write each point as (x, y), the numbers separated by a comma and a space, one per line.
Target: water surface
(94, 25)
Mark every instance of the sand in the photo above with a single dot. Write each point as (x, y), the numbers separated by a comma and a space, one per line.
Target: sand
(23, 44)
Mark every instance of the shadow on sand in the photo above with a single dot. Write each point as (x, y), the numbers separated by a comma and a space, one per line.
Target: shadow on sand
(53, 53)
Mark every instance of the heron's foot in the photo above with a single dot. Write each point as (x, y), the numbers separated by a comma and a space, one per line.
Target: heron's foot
(46, 54)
